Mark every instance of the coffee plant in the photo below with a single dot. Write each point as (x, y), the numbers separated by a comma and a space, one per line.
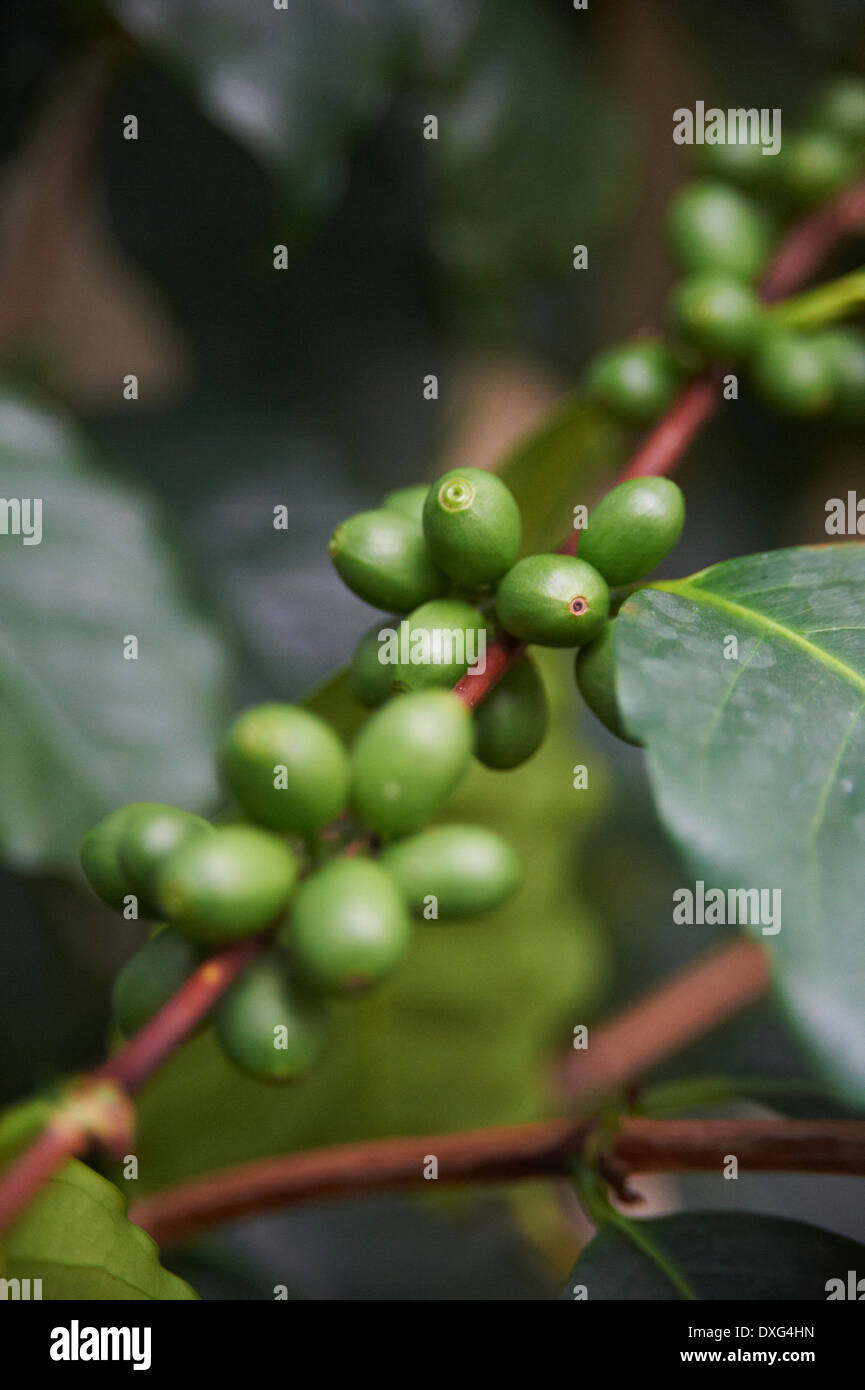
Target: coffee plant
(296, 932)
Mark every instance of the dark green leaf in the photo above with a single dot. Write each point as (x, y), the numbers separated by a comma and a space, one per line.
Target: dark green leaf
(293, 84)
(84, 729)
(757, 762)
(528, 159)
(75, 1237)
(720, 1255)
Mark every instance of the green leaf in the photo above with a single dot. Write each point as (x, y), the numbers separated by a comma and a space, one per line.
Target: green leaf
(559, 465)
(292, 84)
(84, 729)
(719, 1255)
(20, 1125)
(523, 169)
(756, 762)
(75, 1237)
(462, 1035)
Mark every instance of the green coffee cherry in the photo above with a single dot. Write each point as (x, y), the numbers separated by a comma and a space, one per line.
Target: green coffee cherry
(716, 314)
(738, 161)
(371, 680)
(151, 833)
(440, 640)
(712, 226)
(408, 500)
(465, 868)
(286, 768)
(595, 672)
(349, 926)
(382, 557)
(554, 600)
(636, 381)
(150, 978)
(511, 722)
(632, 528)
(840, 108)
(269, 1025)
(100, 857)
(472, 526)
(816, 165)
(844, 350)
(232, 883)
(794, 374)
(408, 759)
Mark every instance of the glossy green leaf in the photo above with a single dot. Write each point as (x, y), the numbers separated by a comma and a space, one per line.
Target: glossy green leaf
(76, 1239)
(717, 1255)
(85, 729)
(757, 762)
(560, 465)
(464, 1032)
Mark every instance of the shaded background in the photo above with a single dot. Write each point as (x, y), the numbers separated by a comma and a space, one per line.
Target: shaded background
(303, 387)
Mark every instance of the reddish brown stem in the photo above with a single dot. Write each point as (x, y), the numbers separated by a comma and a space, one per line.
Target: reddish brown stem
(73, 1128)
(501, 655)
(502, 1155)
(685, 1007)
(135, 1063)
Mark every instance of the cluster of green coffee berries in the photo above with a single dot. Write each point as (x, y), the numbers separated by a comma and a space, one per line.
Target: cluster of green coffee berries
(445, 557)
(295, 866)
(721, 230)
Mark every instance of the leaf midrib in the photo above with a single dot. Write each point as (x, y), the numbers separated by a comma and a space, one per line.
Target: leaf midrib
(759, 619)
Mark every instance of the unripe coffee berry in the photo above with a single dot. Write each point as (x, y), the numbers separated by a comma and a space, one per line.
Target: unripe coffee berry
(632, 528)
(793, 372)
(382, 557)
(635, 381)
(816, 165)
(465, 868)
(100, 856)
(554, 600)
(712, 226)
(269, 1025)
(286, 768)
(743, 162)
(369, 678)
(436, 644)
(840, 108)
(596, 678)
(230, 884)
(717, 314)
(408, 500)
(150, 978)
(472, 526)
(349, 926)
(408, 759)
(511, 721)
(151, 833)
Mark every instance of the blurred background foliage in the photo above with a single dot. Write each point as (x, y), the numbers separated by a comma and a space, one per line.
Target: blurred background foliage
(303, 387)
